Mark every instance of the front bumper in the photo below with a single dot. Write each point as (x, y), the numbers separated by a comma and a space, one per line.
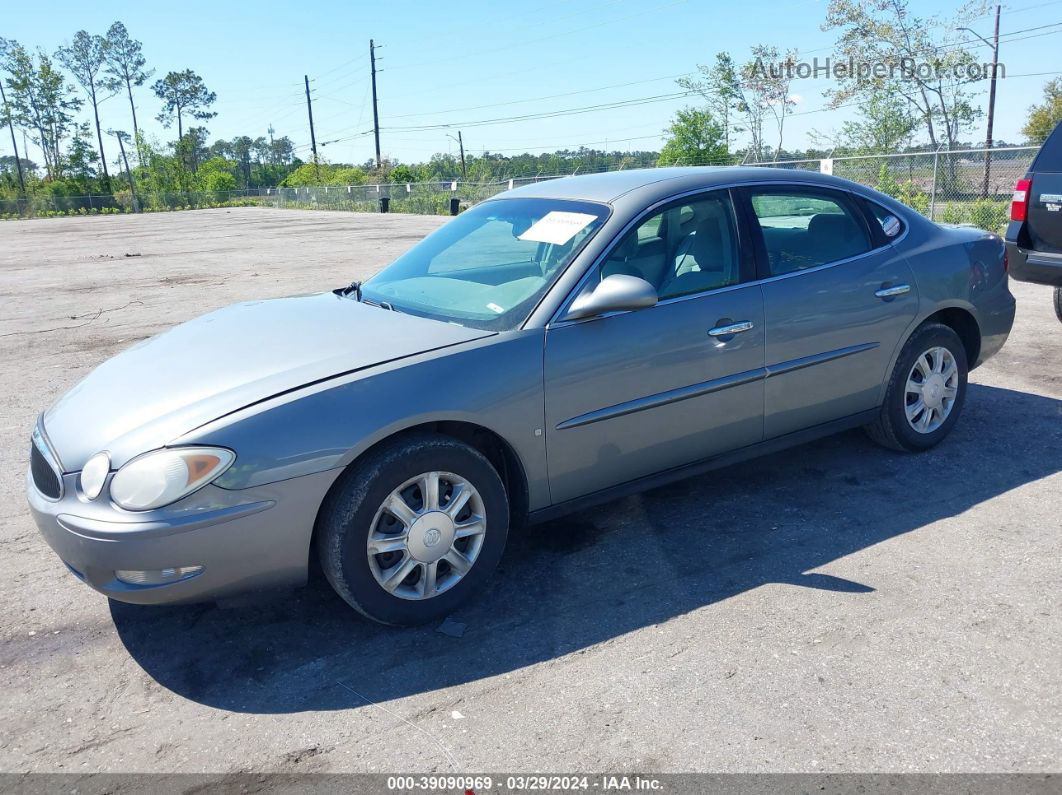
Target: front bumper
(245, 540)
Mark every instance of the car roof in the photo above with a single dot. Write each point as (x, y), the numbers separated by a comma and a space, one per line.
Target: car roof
(647, 184)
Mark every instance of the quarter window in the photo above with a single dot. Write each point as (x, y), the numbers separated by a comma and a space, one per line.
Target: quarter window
(890, 223)
(687, 248)
(805, 229)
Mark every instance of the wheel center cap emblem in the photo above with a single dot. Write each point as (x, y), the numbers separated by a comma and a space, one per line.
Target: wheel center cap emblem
(933, 391)
(431, 536)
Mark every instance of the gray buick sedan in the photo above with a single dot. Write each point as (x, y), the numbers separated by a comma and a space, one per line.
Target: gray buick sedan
(557, 346)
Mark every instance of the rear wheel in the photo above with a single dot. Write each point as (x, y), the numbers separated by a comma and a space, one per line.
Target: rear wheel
(926, 391)
(414, 529)
(1058, 303)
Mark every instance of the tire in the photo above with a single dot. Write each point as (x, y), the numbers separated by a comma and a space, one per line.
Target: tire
(354, 511)
(1058, 303)
(892, 429)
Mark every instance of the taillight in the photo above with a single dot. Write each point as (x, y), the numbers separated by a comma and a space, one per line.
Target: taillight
(1019, 205)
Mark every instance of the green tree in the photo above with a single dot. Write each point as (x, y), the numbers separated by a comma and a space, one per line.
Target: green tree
(721, 89)
(886, 124)
(183, 94)
(281, 150)
(192, 148)
(243, 150)
(85, 58)
(215, 176)
(885, 32)
(694, 138)
(40, 100)
(1045, 117)
(402, 173)
(125, 65)
(82, 158)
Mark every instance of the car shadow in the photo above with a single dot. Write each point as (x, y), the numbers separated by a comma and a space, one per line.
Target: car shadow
(595, 575)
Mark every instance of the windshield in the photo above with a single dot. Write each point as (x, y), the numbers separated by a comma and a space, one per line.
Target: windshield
(488, 267)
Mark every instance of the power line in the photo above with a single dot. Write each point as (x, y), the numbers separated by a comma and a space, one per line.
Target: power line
(539, 99)
(553, 114)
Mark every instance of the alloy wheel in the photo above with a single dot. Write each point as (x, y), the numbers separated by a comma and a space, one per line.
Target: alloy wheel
(932, 386)
(426, 535)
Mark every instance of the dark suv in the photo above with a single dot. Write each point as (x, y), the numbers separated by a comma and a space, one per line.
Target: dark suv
(1034, 235)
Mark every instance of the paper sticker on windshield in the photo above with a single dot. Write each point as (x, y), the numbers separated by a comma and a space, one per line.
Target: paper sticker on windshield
(557, 227)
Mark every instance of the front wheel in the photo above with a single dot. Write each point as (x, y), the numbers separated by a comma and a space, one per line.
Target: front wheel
(925, 393)
(412, 530)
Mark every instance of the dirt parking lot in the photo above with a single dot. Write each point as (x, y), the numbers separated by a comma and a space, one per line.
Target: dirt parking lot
(836, 607)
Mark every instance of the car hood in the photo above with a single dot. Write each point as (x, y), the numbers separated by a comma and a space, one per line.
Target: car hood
(198, 371)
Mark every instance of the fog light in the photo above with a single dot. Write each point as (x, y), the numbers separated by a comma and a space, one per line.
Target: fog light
(157, 576)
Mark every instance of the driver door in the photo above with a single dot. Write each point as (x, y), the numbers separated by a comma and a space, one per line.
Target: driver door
(629, 394)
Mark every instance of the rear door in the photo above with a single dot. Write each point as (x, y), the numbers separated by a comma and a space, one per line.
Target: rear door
(836, 304)
(1044, 219)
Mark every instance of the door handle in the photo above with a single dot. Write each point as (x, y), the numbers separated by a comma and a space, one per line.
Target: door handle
(731, 329)
(892, 292)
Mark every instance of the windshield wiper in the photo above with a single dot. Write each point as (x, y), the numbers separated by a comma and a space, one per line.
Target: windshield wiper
(355, 289)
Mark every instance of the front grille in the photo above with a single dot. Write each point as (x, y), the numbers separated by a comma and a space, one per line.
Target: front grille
(44, 477)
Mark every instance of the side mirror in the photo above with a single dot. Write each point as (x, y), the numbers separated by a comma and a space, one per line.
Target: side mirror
(615, 293)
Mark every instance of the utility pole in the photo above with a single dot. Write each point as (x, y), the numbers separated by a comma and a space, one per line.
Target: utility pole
(991, 106)
(994, 44)
(11, 129)
(132, 184)
(461, 144)
(309, 111)
(375, 113)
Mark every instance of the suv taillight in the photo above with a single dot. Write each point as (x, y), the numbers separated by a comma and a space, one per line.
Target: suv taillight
(1019, 205)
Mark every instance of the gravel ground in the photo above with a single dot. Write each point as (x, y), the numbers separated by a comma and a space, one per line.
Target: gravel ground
(833, 608)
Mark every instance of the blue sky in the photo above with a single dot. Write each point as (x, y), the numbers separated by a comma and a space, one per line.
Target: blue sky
(467, 60)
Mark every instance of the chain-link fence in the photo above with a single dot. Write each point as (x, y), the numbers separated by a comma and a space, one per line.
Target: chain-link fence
(122, 201)
(430, 198)
(971, 186)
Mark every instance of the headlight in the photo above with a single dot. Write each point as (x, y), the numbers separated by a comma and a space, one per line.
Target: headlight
(93, 475)
(165, 476)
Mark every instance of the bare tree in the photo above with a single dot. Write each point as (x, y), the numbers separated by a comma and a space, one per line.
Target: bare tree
(766, 80)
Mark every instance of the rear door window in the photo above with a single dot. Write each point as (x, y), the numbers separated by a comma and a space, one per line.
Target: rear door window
(805, 228)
